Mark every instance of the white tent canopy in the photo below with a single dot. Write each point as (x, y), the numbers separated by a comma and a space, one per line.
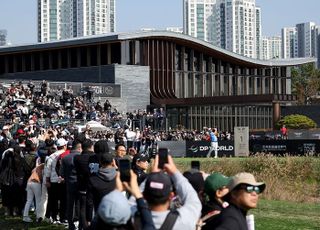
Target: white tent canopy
(96, 126)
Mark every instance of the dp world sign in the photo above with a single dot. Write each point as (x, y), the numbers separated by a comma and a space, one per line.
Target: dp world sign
(201, 148)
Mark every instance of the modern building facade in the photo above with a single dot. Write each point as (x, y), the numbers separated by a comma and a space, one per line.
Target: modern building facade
(59, 20)
(195, 82)
(3, 37)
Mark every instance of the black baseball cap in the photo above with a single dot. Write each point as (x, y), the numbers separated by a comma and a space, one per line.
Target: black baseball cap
(158, 185)
(139, 157)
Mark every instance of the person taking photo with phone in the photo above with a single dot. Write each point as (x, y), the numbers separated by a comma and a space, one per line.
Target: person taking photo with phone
(160, 187)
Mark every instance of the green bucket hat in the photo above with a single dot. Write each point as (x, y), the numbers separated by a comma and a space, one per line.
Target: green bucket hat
(214, 182)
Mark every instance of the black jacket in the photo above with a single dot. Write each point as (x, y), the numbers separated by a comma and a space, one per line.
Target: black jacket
(101, 184)
(68, 169)
(231, 218)
(207, 208)
(81, 163)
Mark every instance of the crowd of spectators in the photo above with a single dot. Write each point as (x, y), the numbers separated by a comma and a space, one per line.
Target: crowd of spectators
(77, 180)
(78, 183)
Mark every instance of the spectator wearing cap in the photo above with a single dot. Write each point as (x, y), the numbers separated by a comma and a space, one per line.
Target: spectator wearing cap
(113, 212)
(215, 187)
(140, 165)
(53, 182)
(159, 191)
(68, 172)
(6, 131)
(243, 196)
(113, 209)
(103, 182)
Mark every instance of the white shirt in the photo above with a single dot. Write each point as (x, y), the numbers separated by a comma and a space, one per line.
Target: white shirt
(50, 166)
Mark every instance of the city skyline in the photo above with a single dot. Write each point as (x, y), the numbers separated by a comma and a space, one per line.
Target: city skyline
(19, 18)
(74, 18)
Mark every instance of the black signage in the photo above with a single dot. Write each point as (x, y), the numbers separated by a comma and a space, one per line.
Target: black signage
(104, 90)
(201, 148)
(282, 147)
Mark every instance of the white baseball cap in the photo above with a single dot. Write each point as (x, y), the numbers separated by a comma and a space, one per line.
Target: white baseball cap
(61, 142)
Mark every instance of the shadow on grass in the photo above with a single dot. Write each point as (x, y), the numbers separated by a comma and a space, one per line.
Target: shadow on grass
(15, 223)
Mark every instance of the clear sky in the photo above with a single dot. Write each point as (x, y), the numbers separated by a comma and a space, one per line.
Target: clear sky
(19, 17)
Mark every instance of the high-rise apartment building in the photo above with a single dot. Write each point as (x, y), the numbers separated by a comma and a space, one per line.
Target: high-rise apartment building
(62, 19)
(239, 26)
(289, 45)
(318, 43)
(303, 40)
(3, 37)
(198, 19)
(264, 50)
(234, 25)
(258, 32)
(271, 48)
(307, 34)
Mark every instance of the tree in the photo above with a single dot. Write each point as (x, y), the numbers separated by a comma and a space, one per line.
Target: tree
(305, 82)
(296, 121)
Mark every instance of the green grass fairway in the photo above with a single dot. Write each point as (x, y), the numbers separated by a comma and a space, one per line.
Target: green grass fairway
(281, 215)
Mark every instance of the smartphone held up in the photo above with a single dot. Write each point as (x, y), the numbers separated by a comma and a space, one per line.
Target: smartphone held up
(124, 168)
(163, 157)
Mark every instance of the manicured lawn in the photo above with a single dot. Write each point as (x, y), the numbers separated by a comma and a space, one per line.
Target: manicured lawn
(270, 215)
(15, 223)
(283, 215)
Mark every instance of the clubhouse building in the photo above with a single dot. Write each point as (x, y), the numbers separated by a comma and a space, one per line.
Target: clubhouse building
(195, 82)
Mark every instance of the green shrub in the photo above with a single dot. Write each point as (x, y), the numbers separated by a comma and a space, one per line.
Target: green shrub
(296, 121)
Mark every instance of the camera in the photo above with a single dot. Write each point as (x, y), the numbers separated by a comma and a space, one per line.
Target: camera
(153, 150)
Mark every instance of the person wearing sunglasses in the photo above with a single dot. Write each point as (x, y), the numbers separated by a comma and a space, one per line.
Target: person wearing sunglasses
(243, 196)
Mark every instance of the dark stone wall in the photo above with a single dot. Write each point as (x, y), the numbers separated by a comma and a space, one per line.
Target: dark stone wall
(102, 74)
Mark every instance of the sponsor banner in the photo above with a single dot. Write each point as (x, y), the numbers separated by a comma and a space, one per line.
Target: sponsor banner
(268, 146)
(201, 148)
(314, 134)
(175, 148)
(298, 134)
(282, 147)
